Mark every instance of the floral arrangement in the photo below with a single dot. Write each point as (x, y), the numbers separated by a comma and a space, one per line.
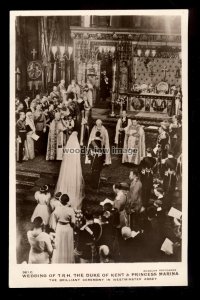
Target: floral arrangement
(143, 88)
(121, 101)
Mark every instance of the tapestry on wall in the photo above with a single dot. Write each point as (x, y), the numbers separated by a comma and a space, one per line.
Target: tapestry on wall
(156, 70)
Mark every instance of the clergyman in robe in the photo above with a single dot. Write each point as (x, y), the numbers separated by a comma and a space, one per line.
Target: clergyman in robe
(62, 90)
(55, 139)
(134, 144)
(122, 124)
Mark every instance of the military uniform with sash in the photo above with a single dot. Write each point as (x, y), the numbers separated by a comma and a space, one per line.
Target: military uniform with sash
(146, 169)
(88, 237)
(21, 137)
(97, 156)
(169, 179)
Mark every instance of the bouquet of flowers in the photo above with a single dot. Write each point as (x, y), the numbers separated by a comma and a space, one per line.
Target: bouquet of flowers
(78, 217)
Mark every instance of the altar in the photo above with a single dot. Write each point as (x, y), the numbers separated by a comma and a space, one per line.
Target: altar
(148, 102)
(142, 72)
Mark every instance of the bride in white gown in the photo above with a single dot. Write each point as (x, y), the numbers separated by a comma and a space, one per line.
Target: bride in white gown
(70, 180)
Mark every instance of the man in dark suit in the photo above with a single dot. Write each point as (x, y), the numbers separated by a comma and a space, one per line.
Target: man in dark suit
(146, 170)
(104, 87)
(97, 157)
(88, 237)
(26, 103)
(152, 234)
(163, 140)
(169, 180)
(131, 245)
(134, 199)
(109, 233)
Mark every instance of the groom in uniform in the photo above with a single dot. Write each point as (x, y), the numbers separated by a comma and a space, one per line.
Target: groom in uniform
(97, 157)
(104, 140)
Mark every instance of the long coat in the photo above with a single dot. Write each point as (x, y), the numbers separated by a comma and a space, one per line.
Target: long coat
(134, 197)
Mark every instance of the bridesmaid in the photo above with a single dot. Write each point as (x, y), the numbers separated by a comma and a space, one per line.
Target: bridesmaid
(54, 202)
(64, 239)
(40, 242)
(42, 209)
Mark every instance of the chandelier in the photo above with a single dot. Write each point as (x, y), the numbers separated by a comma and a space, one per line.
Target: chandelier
(107, 51)
(146, 52)
(60, 52)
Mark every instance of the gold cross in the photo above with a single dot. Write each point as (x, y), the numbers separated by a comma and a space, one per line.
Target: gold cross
(165, 70)
(33, 52)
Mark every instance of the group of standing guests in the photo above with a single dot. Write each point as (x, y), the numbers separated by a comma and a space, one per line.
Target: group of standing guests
(125, 229)
(43, 125)
(163, 162)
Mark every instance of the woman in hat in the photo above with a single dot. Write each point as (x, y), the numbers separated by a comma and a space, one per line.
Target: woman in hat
(64, 239)
(40, 242)
(42, 197)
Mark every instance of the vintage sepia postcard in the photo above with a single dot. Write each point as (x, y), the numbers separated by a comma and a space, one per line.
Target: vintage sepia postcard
(98, 148)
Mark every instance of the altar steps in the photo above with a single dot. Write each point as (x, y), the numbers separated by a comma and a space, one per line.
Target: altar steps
(147, 119)
(27, 183)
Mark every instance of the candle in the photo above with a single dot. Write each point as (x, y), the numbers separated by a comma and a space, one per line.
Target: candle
(18, 79)
(135, 74)
(114, 71)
